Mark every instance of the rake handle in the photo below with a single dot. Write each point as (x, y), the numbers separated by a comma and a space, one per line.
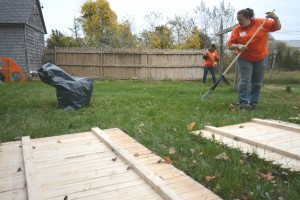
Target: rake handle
(260, 27)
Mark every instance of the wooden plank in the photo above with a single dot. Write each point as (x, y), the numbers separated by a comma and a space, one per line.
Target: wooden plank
(91, 158)
(69, 151)
(10, 145)
(55, 140)
(12, 171)
(179, 179)
(77, 168)
(284, 161)
(87, 174)
(157, 167)
(91, 184)
(288, 145)
(124, 191)
(254, 131)
(263, 146)
(278, 124)
(167, 172)
(187, 184)
(17, 194)
(244, 147)
(159, 185)
(281, 136)
(12, 182)
(32, 182)
(69, 155)
(49, 145)
(275, 137)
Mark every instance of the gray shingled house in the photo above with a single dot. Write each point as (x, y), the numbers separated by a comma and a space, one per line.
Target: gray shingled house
(22, 30)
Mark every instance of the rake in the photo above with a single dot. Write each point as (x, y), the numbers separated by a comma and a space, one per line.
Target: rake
(213, 87)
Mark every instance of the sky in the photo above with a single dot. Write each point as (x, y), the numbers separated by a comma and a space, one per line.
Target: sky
(59, 14)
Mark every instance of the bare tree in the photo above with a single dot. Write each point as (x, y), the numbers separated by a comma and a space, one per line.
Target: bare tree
(182, 27)
(153, 19)
(203, 17)
(76, 31)
(210, 21)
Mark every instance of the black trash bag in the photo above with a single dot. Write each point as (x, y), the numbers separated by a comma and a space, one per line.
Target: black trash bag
(71, 92)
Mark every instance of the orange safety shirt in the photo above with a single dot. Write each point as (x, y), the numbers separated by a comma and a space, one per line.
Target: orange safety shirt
(257, 48)
(212, 57)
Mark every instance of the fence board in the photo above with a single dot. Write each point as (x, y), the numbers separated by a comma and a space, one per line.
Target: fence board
(128, 64)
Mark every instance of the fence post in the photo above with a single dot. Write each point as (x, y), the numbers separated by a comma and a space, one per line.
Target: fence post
(149, 67)
(101, 61)
(55, 55)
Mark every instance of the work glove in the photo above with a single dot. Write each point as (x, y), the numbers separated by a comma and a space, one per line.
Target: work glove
(242, 47)
(215, 64)
(272, 15)
(205, 57)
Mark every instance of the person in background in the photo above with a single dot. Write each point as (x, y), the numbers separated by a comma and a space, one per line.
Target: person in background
(253, 59)
(211, 59)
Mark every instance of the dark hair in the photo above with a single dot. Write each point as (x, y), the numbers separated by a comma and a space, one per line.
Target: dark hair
(247, 13)
(213, 46)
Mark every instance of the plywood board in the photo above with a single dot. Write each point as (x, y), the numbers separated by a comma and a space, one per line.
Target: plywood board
(91, 165)
(273, 140)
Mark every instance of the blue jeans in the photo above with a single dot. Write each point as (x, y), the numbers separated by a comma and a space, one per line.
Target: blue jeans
(212, 71)
(251, 80)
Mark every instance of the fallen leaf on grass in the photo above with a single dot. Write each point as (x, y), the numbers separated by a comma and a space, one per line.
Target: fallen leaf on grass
(267, 177)
(141, 125)
(140, 128)
(246, 196)
(213, 136)
(209, 178)
(172, 150)
(222, 156)
(168, 160)
(191, 126)
(196, 132)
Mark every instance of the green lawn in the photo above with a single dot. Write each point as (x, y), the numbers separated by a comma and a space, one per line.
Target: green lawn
(157, 114)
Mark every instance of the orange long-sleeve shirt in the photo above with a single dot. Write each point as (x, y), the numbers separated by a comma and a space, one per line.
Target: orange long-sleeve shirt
(212, 57)
(257, 48)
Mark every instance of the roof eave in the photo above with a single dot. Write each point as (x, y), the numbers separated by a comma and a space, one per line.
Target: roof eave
(41, 15)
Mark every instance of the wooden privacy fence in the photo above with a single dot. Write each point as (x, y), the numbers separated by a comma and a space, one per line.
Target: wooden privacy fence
(128, 64)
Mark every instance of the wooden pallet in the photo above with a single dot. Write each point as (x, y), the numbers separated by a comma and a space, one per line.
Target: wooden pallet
(272, 140)
(91, 165)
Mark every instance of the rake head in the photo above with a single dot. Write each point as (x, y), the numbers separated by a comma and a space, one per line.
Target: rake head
(211, 89)
(205, 96)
